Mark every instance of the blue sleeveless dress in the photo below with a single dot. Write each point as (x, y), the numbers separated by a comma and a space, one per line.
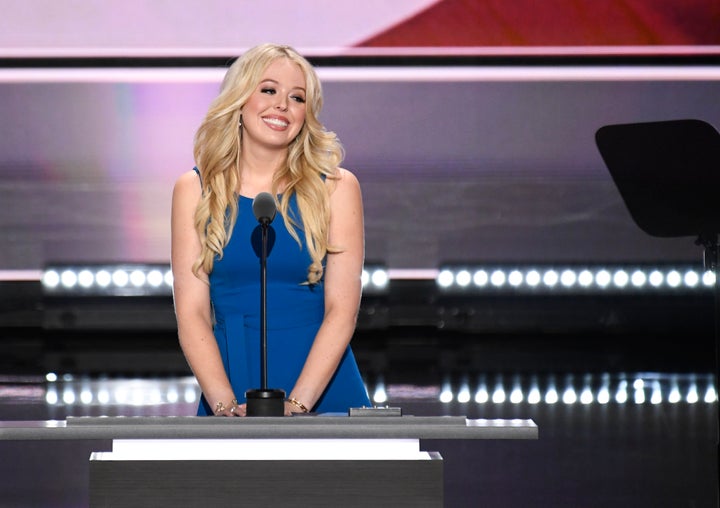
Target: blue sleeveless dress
(294, 314)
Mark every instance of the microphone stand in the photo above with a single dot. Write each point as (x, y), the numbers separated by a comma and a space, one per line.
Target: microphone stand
(264, 401)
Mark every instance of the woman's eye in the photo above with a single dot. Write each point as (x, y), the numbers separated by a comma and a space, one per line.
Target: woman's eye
(269, 91)
(299, 99)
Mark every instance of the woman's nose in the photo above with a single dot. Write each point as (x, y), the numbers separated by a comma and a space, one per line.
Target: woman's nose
(281, 104)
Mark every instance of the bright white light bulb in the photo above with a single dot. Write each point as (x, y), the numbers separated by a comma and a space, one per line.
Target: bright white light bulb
(515, 278)
(463, 278)
(568, 278)
(445, 278)
(103, 278)
(638, 278)
(51, 279)
(674, 279)
(482, 395)
(68, 278)
(550, 278)
(85, 278)
(533, 278)
(551, 396)
(603, 278)
(497, 278)
(379, 278)
(480, 278)
(585, 278)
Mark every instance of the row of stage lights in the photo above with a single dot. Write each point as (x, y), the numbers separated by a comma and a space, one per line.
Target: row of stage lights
(638, 391)
(140, 280)
(147, 280)
(575, 279)
(67, 390)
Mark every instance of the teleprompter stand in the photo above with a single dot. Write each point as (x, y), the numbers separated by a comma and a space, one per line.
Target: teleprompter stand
(668, 174)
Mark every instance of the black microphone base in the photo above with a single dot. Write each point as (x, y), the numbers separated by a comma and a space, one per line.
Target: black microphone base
(265, 402)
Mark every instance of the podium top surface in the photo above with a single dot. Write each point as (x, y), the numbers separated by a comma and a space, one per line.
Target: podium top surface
(301, 427)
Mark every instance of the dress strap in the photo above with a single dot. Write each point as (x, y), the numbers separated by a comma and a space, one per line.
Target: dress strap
(197, 171)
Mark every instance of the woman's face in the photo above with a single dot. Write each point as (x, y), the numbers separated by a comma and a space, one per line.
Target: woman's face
(275, 112)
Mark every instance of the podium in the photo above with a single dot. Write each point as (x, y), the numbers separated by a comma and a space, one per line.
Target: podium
(303, 461)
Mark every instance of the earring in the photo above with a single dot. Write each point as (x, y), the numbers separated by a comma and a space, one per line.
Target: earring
(240, 122)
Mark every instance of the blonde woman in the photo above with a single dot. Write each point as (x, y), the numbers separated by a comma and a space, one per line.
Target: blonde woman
(262, 134)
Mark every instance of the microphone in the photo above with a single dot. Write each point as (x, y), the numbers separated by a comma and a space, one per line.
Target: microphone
(264, 401)
(264, 208)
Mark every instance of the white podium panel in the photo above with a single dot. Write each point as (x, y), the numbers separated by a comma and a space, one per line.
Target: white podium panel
(266, 473)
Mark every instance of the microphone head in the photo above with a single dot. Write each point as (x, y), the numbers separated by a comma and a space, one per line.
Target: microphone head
(264, 207)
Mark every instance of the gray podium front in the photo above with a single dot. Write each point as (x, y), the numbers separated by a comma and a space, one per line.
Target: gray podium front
(302, 461)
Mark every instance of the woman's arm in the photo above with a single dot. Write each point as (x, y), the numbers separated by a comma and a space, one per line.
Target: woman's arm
(343, 287)
(192, 299)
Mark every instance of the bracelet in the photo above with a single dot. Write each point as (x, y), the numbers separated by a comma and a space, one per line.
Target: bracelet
(298, 405)
(220, 407)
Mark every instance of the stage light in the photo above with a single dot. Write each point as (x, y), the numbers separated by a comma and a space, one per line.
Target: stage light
(515, 278)
(445, 278)
(534, 396)
(673, 278)
(85, 278)
(691, 278)
(103, 396)
(480, 278)
(155, 278)
(68, 279)
(603, 396)
(708, 278)
(550, 278)
(137, 278)
(533, 278)
(446, 394)
(639, 396)
(603, 278)
(621, 394)
(621, 278)
(516, 396)
(551, 396)
(463, 278)
(103, 278)
(656, 278)
(568, 278)
(674, 397)
(638, 278)
(190, 396)
(51, 396)
(68, 396)
(498, 395)
(379, 278)
(656, 394)
(463, 395)
(497, 278)
(380, 395)
(710, 395)
(692, 395)
(569, 396)
(585, 278)
(586, 396)
(51, 377)
(51, 279)
(120, 278)
(86, 396)
(482, 396)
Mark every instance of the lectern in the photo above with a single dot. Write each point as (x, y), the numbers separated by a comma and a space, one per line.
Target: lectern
(319, 461)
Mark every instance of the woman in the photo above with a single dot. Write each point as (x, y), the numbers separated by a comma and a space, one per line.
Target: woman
(262, 134)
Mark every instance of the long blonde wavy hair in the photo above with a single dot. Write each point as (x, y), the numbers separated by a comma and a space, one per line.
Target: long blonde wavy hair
(314, 155)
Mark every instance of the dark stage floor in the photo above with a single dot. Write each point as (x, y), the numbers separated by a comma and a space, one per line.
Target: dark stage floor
(608, 440)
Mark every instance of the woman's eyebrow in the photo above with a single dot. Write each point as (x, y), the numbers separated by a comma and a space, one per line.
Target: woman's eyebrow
(270, 80)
